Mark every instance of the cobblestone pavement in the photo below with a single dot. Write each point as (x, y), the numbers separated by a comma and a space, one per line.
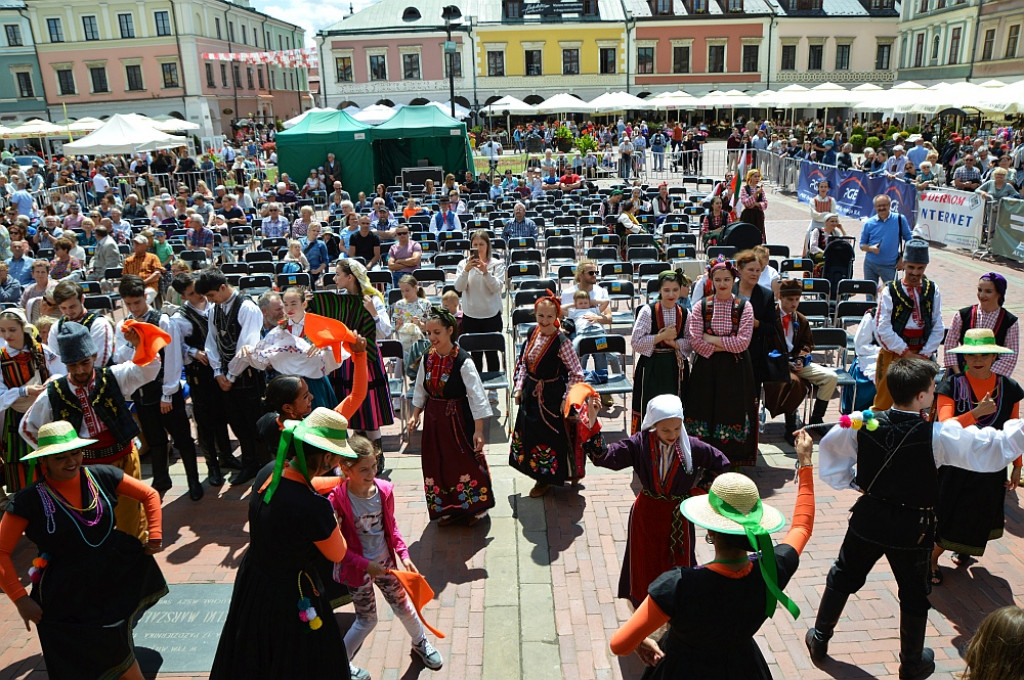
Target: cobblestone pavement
(529, 593)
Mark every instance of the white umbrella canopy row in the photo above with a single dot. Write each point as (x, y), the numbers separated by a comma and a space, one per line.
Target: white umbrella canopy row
(123, 134)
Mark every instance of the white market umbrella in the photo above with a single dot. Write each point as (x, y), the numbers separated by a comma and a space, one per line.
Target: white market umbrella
(122, 135)
(948, 95)
(669, 101)
(292, 122)
(888, 100)
(830, 95)
(619, 101)
(511, 105)
(83, 125)
(1007, 99)
(461, 111)
(791, 96)
(35, 128)
(375, 114)
(563, 103)
(172, 124)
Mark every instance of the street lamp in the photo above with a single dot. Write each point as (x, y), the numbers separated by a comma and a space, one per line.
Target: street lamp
(448, 13)
(629, 20)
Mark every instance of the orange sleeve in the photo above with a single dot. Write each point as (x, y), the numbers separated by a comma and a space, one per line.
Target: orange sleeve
(150, 499)
(11, 529)
(803, 513)
(947, 410)
(324, 484)
(647, 618)
(355, 398)
(333, 547)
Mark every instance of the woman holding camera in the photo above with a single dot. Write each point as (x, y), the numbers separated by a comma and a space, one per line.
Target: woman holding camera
(479, 281)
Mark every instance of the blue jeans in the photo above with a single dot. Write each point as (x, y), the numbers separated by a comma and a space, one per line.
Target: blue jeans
(878, 272)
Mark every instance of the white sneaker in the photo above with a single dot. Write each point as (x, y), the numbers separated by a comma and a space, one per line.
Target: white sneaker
(356, 673)
(431, 657)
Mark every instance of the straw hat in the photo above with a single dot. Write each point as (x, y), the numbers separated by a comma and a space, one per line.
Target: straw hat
(738, 491)
(57, 437)
(325, 429)
(980, 341)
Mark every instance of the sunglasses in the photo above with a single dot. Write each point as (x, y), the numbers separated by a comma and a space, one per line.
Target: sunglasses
(401, 233)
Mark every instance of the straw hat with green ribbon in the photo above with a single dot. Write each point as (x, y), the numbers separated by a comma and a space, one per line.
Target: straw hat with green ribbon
(57, 437)
(323, 428)
(980, 341)
(733, 506)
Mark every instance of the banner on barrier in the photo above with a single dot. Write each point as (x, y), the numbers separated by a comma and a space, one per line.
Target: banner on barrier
(855, 191)
(950, 216)
(1008, 236)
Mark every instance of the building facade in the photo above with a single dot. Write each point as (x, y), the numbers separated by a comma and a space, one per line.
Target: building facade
(21, 88)
(937, 40)
(997, 52)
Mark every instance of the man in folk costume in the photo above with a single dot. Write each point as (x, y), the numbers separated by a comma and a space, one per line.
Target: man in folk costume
(160, 404)
(92, 399)
(70, 299)
(909, 318)
(235, 323)
(799, 344)
(891, 458)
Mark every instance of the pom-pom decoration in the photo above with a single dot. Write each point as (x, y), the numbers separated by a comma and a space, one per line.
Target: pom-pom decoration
(304, 603)
(315, 624)
(35, 572)
(856, 423)
(845, 421)
(872, 425)
(303, 617)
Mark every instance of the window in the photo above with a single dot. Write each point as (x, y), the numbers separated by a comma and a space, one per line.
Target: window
(273, 79)
(13, 32)
(750, 54)
(495, 63)
(134, 77)
(814, 57)
(700, 6)
(126, 24)
(169, 72)
(210, 82)
(716, 58)
(267, 41)
(789, 57)
(55, 29)
(245, 40)
(411, 67)
(922, 7)
(935, 49)
(259, 77)
(570, 62)
(223, 75)
(411, 14)
(1011, 41)
(842, 57)
(607, 60)
(343, 69)
(65, 81)
(248, 78)
(644, 60)
(280, 44)
(163, 23)
(25, 88)
(940, 4)
(590, 8)
(90, 30)
(663, 6)
(236, 76)
(216, 23)
(954, 46)
(990, 43)
(680, 59)
(534, 62)
(231, 31)
(735, 5)
(514, 9)
(378, 67)
(455, 59)
(919, 51)
(98, 76)
(882, 54)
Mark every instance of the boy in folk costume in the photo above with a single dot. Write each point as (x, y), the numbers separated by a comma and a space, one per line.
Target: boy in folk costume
(92, 399)
(70, 299)
(909, 318)
(795, 334)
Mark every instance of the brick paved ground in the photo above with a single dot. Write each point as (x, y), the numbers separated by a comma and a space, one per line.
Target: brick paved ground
(529, 593)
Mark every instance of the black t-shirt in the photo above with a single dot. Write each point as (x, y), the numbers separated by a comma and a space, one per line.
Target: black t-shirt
(233, 213)
(186, 164)
(364, 245)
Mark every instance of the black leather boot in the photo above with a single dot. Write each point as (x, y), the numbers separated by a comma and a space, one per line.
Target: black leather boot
(216, 477)
(831, 608)
(790, 429)
(818, 414)
(916, 661)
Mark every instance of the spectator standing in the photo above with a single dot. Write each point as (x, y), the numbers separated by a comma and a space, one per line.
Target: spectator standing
(480, 278)
(882, 239)
(107, 255)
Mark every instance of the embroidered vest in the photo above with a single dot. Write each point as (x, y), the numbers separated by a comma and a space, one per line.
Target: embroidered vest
(149, 394)
(106, 399)
(656, 320)
(903, 305)
(16, 374)
(1003, 324)
(229, 330)
(196, 339)
(708, 312)
(913, 461)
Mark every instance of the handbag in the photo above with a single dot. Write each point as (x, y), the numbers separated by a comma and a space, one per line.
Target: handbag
(776, 367)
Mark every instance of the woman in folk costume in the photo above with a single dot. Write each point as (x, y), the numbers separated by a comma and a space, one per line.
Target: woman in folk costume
(671, 466)
(988, 313)
(661, 347)
(754, 201)
(456, 479)
(822, 205)
(723, 412)
(25, 365)
(546, 369)
(288, 350)
(969, 510)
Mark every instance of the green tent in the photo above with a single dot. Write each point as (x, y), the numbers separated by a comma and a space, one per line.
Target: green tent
(416, 133)
(306, 146)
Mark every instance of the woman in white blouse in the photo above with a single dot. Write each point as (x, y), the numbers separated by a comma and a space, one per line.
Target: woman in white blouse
(480, 279)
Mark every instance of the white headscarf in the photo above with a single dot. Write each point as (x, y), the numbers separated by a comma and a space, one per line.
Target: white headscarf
(661, 408)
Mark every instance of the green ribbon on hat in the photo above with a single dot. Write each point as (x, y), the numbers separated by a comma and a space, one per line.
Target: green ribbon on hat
(50, 440)
(761, 541)
(984, 341)
(293, 433)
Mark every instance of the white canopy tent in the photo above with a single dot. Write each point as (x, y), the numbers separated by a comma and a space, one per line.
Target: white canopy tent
(122, 135)
(510, 105)
(171, 124)
(563, 103)
(949, 96)
(375, 114)
(84, 125)
(461, 112)
(619, 101)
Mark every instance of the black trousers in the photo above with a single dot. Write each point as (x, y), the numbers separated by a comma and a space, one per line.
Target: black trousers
(156, 426)
(491, 325)
(208, 410)
(243, 408)
(909, 567)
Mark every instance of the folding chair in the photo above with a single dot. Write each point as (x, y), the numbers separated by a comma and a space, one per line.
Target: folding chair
(558, 256)
(274, 244)
(449, 262)
(777, 250)
(259, 256)
(394, 295)
(816, 311)
(602, 254)
(522, 243)
(619, 291)
(618, 383)
(617, 270)
(727, 252)
(195, 258)
(522, 324)
(526, 255)
(639, 240)
(263, 268)
(804, 265)
(256, 285)
(643, 254)
(381, 280)
(834, 340)
(235, 268)
(101, 303)
(476, 343)
(606, 239)
(521, 270)
(816, 288)
(847, 288)
(684, 252)
(431, 277)
(851, 311)
(300, 279)
(526, 297)
(449, 235)
(560, 241)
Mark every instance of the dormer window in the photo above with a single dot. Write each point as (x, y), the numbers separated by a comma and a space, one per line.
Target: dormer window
(513, 9)
(697, 6)
(661, 7)
(735, 5)
(411, 14)
(590, 8)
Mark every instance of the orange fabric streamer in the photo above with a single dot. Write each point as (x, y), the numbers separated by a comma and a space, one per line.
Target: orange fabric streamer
(578, 394)
(323, 332)
(152, 339)
(420, 593)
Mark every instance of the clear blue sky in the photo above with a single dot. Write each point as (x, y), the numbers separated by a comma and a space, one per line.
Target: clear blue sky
(310, 14)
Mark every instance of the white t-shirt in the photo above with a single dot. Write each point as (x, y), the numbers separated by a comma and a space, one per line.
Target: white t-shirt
(597, 294)
(769, 276)
(368, 518)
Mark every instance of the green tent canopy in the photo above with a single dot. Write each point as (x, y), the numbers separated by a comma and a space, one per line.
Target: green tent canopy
(416, 133)
(306, 146)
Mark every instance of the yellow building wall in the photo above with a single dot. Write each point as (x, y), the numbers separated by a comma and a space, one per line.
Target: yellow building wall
(552, 35)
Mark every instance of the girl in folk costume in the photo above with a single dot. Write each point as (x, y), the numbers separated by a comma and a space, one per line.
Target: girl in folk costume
(819, 236)
(754, 202)
(669, 464)
(661, 347)
(288, 350)
(25, 365)
(456, 479)
(969, 510)
(724, 412)
(715, 220)
(822, 205)
(988, 313)
(547, 368)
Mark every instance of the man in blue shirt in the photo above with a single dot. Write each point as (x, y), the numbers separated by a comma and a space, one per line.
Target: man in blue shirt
(881, 240)
(20, 265)
(918, 154)
(520, 226)
(23, 201)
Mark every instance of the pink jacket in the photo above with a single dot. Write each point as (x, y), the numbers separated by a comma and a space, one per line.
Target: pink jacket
(352, 569)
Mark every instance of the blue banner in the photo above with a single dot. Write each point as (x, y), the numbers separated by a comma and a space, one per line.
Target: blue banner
(855, 191)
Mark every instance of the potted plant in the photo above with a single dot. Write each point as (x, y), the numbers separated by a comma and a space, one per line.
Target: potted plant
(563, 139)
(586, 143)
